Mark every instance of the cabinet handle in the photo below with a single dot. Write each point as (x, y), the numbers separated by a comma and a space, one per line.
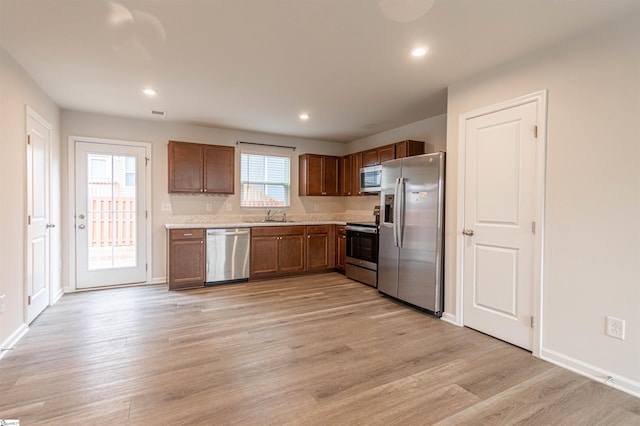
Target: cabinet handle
(204, 190)
(187, 235)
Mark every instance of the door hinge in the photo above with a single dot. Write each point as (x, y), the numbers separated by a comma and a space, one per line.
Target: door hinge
(146, 214)
(28, 139)
(533, 228)
(533, 322)
(146, 266)
(28, 300)
(146, 161)
(535, 131)
(28, 219)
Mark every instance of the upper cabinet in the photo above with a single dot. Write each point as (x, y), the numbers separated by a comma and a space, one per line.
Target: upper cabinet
(346, 175)
(201, 168)
(319, 175)
(408, 148)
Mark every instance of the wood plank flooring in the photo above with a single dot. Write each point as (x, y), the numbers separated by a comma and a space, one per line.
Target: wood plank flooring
(313, 350)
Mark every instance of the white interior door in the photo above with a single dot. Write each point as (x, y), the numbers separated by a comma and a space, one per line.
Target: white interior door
(110, 214)
(499, 213)
(38, 250)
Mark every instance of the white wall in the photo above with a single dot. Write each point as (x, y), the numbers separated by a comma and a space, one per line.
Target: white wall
(158, 133)
(17, 90)
(592, 229)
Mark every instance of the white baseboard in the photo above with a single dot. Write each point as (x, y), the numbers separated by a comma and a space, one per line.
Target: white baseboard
(159, 280)
(57, 297)
(11, 341)
(449, 317)
(595, 373)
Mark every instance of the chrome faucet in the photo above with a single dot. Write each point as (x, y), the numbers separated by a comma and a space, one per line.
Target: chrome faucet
(270, 216)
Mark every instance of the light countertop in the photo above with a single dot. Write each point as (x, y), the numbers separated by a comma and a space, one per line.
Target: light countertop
(249, 224)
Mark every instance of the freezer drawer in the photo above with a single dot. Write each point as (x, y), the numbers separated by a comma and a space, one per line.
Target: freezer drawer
(227, 254)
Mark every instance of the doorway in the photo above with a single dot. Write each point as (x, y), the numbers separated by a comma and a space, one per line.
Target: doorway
(110, 217)
(500, 212)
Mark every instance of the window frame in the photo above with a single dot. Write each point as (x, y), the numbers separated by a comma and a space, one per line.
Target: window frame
(286, 185)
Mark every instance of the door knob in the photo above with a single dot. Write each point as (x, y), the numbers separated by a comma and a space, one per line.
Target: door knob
(81, 226)
(81, 216)
(51, 225)
(468, 232)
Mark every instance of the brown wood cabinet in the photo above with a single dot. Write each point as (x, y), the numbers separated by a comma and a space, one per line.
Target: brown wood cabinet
(277, 250)
(341, 247)
(409, 148)
(320, 247)
(187, 258)
(319, 175)
(387, 152)
(346, 175)
(370, 157)
(200, 168)
(356, 165)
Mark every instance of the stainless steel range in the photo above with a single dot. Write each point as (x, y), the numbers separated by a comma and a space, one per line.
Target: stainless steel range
(362, 253)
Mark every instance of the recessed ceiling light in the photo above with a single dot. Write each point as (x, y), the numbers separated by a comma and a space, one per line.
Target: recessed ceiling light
(304, 116)
(418, 51)
(149, 91)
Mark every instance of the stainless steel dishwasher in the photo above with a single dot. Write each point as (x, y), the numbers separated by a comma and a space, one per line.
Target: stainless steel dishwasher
(227, 255)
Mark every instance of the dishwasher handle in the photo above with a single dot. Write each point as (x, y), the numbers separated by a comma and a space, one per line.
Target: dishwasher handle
(227, 232)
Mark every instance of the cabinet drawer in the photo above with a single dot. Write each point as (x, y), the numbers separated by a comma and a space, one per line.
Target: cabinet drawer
(266, 231)
(318, 229)
(186, 234)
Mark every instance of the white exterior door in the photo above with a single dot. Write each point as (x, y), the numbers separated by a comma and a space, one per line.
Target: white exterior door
(38, 250)
(500, 193)
(110, 214)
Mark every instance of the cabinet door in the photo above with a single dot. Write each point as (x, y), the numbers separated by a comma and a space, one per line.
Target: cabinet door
(219, 169)
(370, 157)
(386, 153)
(356, 164)
(291, 253)
(317, 252)
(409, 148)
(186, 263)
(345, 175)
(341, 247)
(185, 167)
(331, 179)
(341, 257)
(264, 256)
(310, 174)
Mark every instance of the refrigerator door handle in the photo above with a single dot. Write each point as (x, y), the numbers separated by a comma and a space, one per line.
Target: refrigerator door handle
(400, 225)
(395, 213)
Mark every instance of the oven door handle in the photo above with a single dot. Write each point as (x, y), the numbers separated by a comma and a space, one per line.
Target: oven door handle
(365, 229)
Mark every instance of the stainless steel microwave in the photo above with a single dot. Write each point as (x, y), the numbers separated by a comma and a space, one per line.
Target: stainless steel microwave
(370, 178)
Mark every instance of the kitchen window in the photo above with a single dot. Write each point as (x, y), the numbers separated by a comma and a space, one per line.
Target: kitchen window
(265, 180)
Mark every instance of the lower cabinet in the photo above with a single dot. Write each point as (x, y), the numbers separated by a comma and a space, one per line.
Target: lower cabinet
(277, 250)
(341, 247)
(187, 258)
(321, 253)
(283, 250)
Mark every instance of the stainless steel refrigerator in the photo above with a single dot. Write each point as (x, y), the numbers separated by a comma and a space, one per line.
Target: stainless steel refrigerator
(410, 257)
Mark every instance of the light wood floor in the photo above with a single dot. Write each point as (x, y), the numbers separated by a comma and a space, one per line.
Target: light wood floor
(317, 350)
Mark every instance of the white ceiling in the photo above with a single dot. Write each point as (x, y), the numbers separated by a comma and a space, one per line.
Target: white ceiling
(256, 64)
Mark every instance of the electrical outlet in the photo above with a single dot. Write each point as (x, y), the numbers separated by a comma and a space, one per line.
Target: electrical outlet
(209, 207)
(229, 206)
(165, 207)
(615, 328)
(2, 297)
